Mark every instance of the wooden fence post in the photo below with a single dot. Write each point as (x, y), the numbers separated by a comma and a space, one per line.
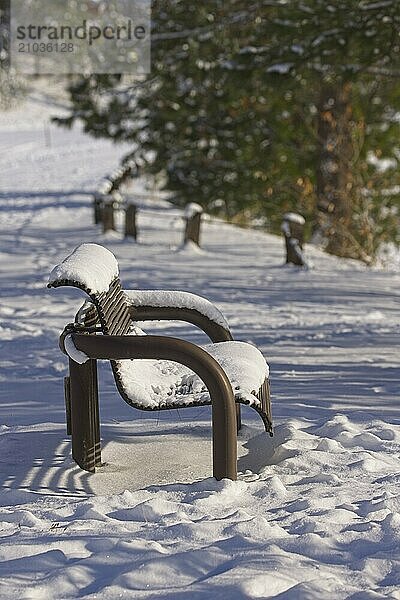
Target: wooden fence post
(97, 207)
(108, 214)
(293, 231)
(130, 221)
(193, 214)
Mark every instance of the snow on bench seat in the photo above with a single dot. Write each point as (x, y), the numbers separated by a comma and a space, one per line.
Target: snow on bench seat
(154, 383)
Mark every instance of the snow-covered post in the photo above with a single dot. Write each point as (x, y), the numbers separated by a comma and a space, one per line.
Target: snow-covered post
(293, 231)
(192, 214)
(130, 221)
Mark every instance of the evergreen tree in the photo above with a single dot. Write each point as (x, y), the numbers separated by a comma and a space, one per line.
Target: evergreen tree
(269, 106)
(12, 87)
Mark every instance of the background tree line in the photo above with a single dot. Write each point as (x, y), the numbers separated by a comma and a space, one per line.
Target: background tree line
(267, 106)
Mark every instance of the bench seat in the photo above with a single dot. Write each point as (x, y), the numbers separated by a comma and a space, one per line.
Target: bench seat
(152, 384)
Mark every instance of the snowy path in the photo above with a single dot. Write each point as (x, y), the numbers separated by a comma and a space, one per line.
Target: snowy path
(316, 513)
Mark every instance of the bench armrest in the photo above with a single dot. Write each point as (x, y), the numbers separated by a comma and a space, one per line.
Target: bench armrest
(152, 305)
(114, 347)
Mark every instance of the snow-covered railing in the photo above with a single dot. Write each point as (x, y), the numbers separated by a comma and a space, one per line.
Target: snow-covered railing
(107, 198)
(112, 182)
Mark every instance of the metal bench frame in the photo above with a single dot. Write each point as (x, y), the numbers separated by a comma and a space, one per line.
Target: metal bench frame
(112, 315)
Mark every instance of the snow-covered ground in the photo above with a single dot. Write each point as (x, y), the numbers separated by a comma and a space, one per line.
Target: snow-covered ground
(316, 512)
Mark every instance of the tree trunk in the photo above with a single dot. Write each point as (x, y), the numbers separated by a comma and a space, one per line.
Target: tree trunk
(334, 169)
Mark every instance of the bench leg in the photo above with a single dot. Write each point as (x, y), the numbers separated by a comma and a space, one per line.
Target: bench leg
(67, 397)
(238, 417)
(266, 406)
(85, 425)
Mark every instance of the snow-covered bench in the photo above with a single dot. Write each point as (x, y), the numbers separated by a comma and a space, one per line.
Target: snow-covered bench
(176, 374)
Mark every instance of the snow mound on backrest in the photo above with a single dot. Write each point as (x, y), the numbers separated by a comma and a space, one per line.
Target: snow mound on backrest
(91, 265)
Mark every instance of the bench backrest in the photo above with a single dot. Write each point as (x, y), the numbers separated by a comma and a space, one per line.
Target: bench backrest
(94, 270)
(113, 310)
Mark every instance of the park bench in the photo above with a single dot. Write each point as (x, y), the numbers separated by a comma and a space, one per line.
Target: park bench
(176, 374)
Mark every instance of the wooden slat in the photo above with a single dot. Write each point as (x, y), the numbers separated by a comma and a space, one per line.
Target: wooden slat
(119, 320)
(122, 327)
(111, 316)
(114, 310)
(112, 296)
